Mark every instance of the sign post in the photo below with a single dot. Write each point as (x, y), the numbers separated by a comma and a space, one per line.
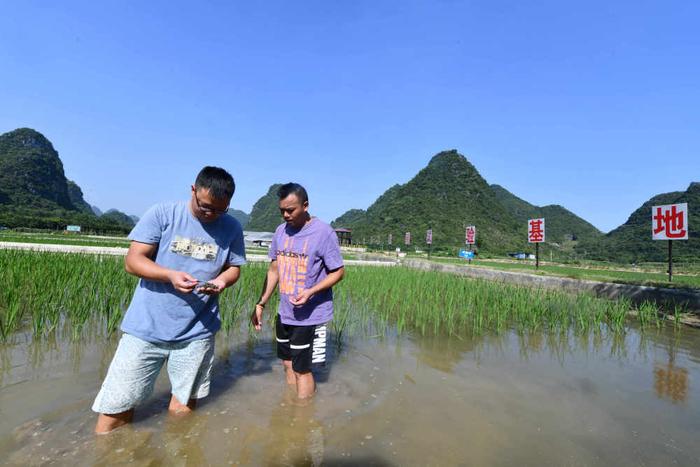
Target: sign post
(470, 238)
(535, 234)
(669, 222)
(429, 241)
(407, 238)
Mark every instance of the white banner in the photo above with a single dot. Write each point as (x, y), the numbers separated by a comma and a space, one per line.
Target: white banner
(669, 222)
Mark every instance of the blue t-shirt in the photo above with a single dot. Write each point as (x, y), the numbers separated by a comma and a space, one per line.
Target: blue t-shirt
(158, 312)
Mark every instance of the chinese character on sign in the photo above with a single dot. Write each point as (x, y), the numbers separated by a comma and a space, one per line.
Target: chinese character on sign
(535, 230)
(407, 238)
(471, 235)
(669, 222)
(429, 237)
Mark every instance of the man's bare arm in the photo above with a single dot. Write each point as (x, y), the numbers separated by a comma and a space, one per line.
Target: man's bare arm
(269, 286)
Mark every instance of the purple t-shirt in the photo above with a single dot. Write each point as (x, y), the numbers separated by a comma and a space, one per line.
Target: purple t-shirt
(304, 258)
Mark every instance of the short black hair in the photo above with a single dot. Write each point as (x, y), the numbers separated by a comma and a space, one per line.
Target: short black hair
(219, 182)
(292, 188)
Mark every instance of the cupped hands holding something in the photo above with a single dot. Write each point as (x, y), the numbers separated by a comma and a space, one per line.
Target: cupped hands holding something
(185, 283)
(182, 281)
(212, 287)
(301, 298)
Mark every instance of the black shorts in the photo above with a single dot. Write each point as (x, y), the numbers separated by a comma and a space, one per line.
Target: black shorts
(303, 345)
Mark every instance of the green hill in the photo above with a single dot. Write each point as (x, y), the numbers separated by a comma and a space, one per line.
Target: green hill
(34, 191)
(75, 194)
(631, 242)
(240, 216)
(265, 215)
(114, 215)
(446, 195)
(31, 173)
(563, 226)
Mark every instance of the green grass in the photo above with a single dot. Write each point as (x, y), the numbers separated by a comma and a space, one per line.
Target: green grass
(62, 239)
(50, 292)
(681, 278)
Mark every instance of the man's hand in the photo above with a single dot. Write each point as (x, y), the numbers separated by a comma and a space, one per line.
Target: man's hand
(182, 281)
(256, 316)
(213, 287)
(302, 297)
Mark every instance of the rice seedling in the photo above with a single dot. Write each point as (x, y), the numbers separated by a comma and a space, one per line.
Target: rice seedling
(48, 292)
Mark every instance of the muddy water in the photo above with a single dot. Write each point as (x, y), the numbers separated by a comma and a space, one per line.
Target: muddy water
(502, 399)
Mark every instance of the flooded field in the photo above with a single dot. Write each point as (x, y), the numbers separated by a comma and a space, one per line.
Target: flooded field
(506, 398)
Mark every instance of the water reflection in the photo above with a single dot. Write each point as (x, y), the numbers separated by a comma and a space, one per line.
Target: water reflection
(560, 395)
(293, 435)
(443, 352)
(670, 381)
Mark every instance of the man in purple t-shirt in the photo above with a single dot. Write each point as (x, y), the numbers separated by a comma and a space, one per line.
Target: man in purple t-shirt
(306, 263)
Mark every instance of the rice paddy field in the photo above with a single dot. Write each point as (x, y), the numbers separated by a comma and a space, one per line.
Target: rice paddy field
(424, 368)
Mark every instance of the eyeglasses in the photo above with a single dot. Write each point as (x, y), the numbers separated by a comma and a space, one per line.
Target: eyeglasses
(206, 209)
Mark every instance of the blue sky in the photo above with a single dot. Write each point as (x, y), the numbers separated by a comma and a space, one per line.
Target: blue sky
(592, 105)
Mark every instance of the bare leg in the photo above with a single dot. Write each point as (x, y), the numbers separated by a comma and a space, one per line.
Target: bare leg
(177, 408)
(108, 422)
(289, 373)
(305, 385)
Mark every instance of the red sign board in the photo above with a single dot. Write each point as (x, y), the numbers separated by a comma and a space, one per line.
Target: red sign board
(669, 222)
(535, 230)
(471, 235)
(429, 237)
(407, 238)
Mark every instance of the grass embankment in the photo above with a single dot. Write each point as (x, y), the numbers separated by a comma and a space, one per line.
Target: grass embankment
(681, 278)
(63, 239)
(49, 292)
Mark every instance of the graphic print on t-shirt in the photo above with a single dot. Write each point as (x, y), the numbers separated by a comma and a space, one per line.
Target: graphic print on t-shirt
(292, 267)
(196, 249)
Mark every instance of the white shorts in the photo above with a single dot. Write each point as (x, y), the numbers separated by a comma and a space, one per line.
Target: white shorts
(135, 367)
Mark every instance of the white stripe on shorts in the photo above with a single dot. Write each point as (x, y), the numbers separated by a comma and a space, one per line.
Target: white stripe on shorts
(281, 340)
(305, 346)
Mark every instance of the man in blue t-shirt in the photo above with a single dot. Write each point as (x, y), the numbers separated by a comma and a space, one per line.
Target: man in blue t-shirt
(305, 262)
(186, 254)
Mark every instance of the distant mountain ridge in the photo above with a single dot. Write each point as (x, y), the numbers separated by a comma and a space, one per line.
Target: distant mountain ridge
(240, 216)
(34, 191)
(31, 173)
(447, 195)
(561, 224)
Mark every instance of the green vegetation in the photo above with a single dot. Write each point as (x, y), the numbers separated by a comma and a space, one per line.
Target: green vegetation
(449, 194)
(446, 195)
(265, 216)
(56, 292)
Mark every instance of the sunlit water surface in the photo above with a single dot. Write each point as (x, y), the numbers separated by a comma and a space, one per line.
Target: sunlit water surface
(505, 399)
